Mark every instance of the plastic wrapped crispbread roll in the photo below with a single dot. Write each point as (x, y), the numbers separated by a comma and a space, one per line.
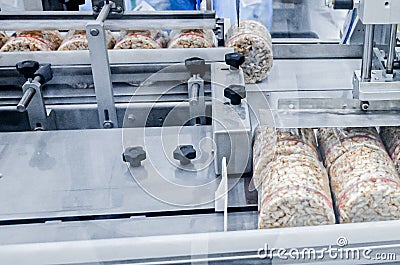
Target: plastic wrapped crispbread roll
(334, 142)
(192, 38)
(364, 182)
(34, 40)
(253, 40)
(3, 38)
(271, 143)
(76, 40)
(391, 139)
(148, 39)
(370, 200)
(295, 192)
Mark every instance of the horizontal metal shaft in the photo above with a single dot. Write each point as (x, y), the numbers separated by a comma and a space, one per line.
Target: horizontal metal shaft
(26, 99)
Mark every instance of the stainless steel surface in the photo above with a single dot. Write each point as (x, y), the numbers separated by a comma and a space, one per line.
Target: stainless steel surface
(368, 53)
(138, 226)
(381, 86)
(231, 123)
(117, 57)
(379, 11)
(392, 48)
(213, 247)
(81, 173)
(101, 71)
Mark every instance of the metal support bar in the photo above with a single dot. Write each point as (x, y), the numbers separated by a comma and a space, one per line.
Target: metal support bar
(130, 20)
(221, 195)
(196, 99)
(26, 99)
(368, 52)
(34, 104)
(392, 48)
(101, 70)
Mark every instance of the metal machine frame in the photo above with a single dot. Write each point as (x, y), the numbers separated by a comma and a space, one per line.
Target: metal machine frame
(102, 220)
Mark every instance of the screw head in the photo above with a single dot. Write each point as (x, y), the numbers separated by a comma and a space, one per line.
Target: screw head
(364, 105)
(119, 9)
(108, 125)
(94, 32)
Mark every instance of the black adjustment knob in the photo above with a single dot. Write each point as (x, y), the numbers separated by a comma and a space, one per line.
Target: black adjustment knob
(343, 4)
(196, 66)
(185, 153)
(72, 5)
(235, 93)
(134, 156)
(45, 73)
(234, 59)
(27, 68)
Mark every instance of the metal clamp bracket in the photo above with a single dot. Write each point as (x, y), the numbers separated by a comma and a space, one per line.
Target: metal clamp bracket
(101, 71)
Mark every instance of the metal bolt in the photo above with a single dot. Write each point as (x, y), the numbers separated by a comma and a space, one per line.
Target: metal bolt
(131, 117)
(119, 9)
(96, 9)
(364, 105)
(108, 125)
(94, 32)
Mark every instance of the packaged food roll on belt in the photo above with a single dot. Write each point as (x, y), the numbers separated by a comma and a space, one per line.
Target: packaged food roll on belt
(391, 139)
(364, 182)
(270, 143)
(76, 40)
(192, 38)
(253, 40)
(334, 142)
(295, 192)
(34, 40)
(292, 183)
(148, 39)
(3, 38)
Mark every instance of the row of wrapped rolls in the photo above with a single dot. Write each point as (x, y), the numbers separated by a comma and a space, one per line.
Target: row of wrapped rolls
(34, 40)
(145, 39)
(76, 40)
(293, 184)
(3, 38)
(391, 139)
(253, 40)
(192, 38)
(363, 178)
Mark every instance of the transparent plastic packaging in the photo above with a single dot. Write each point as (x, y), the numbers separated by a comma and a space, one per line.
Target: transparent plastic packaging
(34, 40)
(253, 40)
(334, 142)
(3, 38)
(76, 40)
(192, 38)
(391, 139)
(364, 182)
(293, 185)
(271, 143)
(148, 39)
